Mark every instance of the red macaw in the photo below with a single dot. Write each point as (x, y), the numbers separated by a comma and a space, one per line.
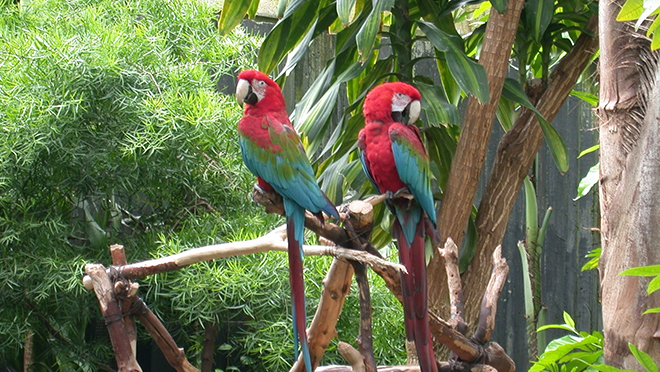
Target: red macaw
(272, 150)
(393, 157)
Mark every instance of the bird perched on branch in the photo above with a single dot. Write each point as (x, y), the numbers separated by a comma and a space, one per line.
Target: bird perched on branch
(395, 161)
(272, 150)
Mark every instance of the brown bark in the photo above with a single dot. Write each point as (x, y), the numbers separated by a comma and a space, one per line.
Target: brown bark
(210, 332)
(473, 143)
(121, 344)
(629, 113)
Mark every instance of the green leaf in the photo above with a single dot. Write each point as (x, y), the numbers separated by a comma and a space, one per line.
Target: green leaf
(506, 113)
(469, 75)
(650, 7)
(499, 5)
(286, 34)
(539, 14)
(568, 320)
(514, 91)
(589, 150)
(654, 285)
(344, 8)
(366, 36)
(643, 358)
(655, 41)
(589, 98)
(436, 107)
(594, 261)
(298, 52)
(631, 10)
(652, 270)
(233, 12)
(653, 310)
(588, 181)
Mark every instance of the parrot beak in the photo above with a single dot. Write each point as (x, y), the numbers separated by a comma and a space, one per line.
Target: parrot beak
(414, 110)
(245, 94)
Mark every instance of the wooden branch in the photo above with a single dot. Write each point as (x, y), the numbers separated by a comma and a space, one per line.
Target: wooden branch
(443, 367)
(450, 255)
(365, 337)
(173, 354)
(124, 291)
(121, 344)
(210, 333)
(352, 356)
(489, 304)
(336, 286)
(273, 241)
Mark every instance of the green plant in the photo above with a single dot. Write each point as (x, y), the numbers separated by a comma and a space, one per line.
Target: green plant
(581, 351)
(654, 284)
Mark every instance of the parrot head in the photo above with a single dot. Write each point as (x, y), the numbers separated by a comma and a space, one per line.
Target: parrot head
(253, 86)
(399, 102)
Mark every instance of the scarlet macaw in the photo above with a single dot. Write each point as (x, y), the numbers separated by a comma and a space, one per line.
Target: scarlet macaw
(393, 157)
(272, 150)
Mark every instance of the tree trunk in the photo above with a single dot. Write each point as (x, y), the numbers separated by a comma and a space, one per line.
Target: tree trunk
(629, 114)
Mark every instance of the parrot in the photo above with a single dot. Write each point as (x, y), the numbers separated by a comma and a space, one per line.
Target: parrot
(272, 150)
(394, 159)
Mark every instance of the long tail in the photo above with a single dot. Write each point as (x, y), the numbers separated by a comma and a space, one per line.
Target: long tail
(413, 288)
(295, 228)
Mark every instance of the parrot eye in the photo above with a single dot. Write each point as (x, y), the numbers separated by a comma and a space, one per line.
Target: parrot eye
(399, 95)
(262, 83)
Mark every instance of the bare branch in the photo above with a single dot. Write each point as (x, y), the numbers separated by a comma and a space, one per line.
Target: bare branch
(450, 255)
(492, 294)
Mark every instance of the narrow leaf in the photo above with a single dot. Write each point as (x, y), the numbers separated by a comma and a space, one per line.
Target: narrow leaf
(655, 41)
(643, 358)
(568, 320)
(588, 181)
(499, 5)
(233, 12)
(650, 7)
(654, 310)
(539, 14)
(654, 285)
(589, 98)
(589, 150)
(344, 8)
(366, 37)
(469, 75)
(514, 91)
(436, 107)
(652, 270)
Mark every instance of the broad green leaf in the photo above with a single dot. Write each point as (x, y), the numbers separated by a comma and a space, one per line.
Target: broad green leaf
(286, 34)
(588, 181)
(252, 10)
(437, 109)
(589, 150)
(589, 98)
(514, 91)
(643, 358)
(652, 270)
(527, 285)
(539, 14)
(654, 25)
(499, 5)
(344, 8)
(654, 310)
(281, 7)
(606, 368)
(650, 7)
(631, 10)
(655, 41)
(506, 113)
(469, 75)
(654, 285)
(233, 12)
(556, 326)
(298, 52)
(366, 37)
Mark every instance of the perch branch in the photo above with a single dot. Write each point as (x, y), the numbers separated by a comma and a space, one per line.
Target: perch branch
(124, 291)
(113, 318)
(352, 356)
(456, 299)
(365, 338)
(173, 354)
(489, 303)
(273, 241)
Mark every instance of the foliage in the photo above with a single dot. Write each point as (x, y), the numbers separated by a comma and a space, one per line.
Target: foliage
(113, 132)
(581, 351)
(654, 284)
(640, 11)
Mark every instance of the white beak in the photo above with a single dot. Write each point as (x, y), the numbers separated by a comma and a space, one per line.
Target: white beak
(414, 110)
(242, 89)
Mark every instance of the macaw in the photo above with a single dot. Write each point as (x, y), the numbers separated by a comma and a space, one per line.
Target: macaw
(394, 158)
(272, 150)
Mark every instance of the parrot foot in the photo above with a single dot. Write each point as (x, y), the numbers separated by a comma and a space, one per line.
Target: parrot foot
(402, 193)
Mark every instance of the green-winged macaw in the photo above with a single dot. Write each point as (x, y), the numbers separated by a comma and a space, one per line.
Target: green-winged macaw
(393, 157)
(272, 150)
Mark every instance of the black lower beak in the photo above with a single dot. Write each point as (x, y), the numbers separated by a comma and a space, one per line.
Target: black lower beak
(401, 116)
(251, 98)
